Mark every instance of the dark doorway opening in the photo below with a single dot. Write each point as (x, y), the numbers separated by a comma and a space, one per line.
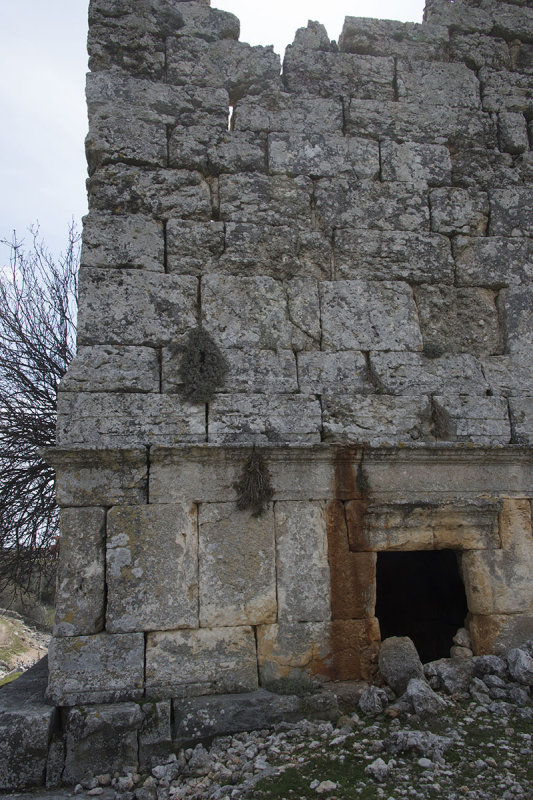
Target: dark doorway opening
(420, 594)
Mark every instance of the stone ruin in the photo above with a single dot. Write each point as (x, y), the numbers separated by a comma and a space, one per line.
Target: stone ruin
(313, 285)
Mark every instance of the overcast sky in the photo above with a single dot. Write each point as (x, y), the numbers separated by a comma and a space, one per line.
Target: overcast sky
(42, 73)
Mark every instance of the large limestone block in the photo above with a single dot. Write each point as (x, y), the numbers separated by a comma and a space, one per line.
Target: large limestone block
(376, 419)
(410, 162)
(427, 526)
(206, 661)
(437, 84)
(477, 50)
(302, 565)
(105, 668)
(521, 411)
(213, 151)
(288, 113)
(101, 739)
(133, 242)
(481, 167)
(164, 193)
(110, 477)
(165, 306)
(327, 74)
(352, 575)
(458, 16)
(392, 255)
(498, 633)
(80, 591)
(126, 137)
(274, 250)
(509, 375)
(321, 373)
(499, 581)
(493, 261)
(112, 368)
(502, 90)
(235, 66)
(368, 315)
(321, 155)
(457, 210)
(399, 662)
(266, 199)
(339, 650)
(513, 132)
(517, 305)
(414, 373)
(342, 203)
(237, 566)
(261, 371)
(260, 312)
(90, 419)
(481, 420)
(193, 248)
(256, 419)
(384, 37)
(404, 121)
(511, 211)
(152, 568)
(457, 321)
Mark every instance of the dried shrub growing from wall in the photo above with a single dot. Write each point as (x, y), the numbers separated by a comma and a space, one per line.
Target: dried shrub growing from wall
(254, 488)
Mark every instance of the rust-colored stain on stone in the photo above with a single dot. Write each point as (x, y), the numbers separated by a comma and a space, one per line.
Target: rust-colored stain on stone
(354, 632)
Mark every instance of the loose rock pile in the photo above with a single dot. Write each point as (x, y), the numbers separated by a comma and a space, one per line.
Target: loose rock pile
(461, 728)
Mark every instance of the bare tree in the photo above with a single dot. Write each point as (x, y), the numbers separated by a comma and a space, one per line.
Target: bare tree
(37, 341)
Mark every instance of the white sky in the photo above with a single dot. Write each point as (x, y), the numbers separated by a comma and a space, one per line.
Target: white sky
(42, 74)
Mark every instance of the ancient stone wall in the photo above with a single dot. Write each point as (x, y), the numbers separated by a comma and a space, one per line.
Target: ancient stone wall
(351, 237)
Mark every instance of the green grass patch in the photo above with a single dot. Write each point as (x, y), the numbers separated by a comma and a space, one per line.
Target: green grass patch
(10, 678)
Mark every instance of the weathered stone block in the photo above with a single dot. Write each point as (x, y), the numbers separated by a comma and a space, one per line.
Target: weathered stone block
(90, 419)
(274, 250)
(234, 66)
(505, 91)
(125, 138)
(384, 37)
(458, 320)
(99, 476)
(211, 661)
(497, 633)
(462, 418)
(261, 371)
(134, 241)
(375, 419)
(521, 411)
(427, 526)
(165, 306)
(477, 51)
(418, 122)
(256, 419)
(113, 368)
(511, 211)
(155, 737)
(459, 211)
(492, 261)
(193, 248)
(213, 151)
(414, 373)
(320, 372)
(105, 668)
(152, 568)
(340, 650)
(328, 74)
(513, 132)
(517, 306)
(320, 155)
(437, 84)
(268, 200)
(478, 167)
(499, 581)
(80, 591)
(282, 111)
(236, 566)
(260, 312)
(368, 315)
(302, 565)
(411, 162)
(392, 255)
(342, 203)
(509, 375)
(100, 739)
(163, 193)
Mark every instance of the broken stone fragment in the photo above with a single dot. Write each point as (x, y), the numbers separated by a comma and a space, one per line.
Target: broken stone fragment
(399, 662)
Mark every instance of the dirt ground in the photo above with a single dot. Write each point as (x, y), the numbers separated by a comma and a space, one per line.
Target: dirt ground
(21, 645)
